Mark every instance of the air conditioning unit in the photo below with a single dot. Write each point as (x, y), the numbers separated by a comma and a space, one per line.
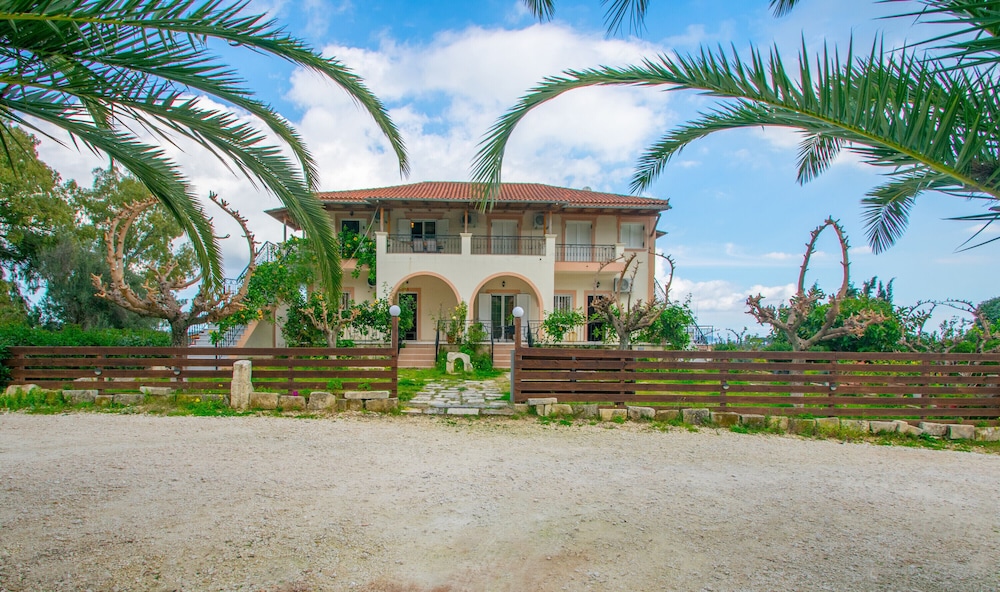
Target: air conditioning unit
(539, 221)
(623, 285)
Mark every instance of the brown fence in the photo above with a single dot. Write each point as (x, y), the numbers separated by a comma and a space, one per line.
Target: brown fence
(890, 385)
(202, 369)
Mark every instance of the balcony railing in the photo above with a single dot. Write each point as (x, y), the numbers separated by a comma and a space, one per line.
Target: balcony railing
(508, 245)
(585, 253)
(442, 243)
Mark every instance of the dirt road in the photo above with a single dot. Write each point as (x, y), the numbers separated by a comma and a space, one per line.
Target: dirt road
(138, 502)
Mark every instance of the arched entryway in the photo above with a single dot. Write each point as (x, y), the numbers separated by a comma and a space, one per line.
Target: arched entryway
(432, 297)
(496, 299)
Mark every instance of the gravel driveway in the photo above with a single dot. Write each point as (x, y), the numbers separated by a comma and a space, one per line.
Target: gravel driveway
(138, 502)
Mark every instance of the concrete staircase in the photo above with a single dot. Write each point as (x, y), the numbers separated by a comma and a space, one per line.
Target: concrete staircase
(417, 355)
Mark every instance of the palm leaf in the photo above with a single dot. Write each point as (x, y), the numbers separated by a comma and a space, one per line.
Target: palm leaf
(113, 65)
(894, 110)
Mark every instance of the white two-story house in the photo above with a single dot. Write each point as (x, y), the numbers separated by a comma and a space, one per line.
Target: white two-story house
(539, 247)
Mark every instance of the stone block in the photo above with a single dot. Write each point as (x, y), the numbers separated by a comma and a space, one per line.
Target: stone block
(321, 401)
(611, 414)
(667, 414)
(463, 411)
(752, 420)
(103, 400)
(435, 411)
(562, 409)
(543, 410)
(905, 428)
(129, 398)
(521, 408)
(498, 411)
(588, 411)
(77, 396)
(641, 413)
(988, 434)
(883, 427)
(855, 425)
(291, 402)
(725, 419)
(934, 429)
(958, 431)
(156, 390)
(382, 405)
(15, 389)
(242, 386)
(260, 400)
(696, 416)
(187, 398)
(542, 401)
(365, 395)
(827, 424)
(351, 404)
(450, 362)
(802, 426)
(412, 411)
(778, 422)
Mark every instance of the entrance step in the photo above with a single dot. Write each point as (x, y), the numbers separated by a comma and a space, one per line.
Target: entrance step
(501, 354)
(417, 355)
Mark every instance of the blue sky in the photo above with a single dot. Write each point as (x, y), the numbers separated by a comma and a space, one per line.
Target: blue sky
(447, 70)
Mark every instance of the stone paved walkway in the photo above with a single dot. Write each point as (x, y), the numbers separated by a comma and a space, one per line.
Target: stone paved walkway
(461, 397)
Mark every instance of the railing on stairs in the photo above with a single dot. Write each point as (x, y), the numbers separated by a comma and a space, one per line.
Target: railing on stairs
(267, 253)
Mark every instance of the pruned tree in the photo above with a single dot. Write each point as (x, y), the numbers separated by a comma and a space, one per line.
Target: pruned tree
(790, 320)
(326, 319)
(163, 283)
(972, 333)
(623, 314)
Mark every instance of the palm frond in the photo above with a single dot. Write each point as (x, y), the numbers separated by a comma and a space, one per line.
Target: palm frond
(112, 64)
(894, 110)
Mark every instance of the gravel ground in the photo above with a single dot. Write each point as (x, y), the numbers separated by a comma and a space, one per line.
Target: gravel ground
(138, 502)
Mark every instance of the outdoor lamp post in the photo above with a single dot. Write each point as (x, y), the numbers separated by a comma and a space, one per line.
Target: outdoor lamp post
(518, 312)
(394, 312)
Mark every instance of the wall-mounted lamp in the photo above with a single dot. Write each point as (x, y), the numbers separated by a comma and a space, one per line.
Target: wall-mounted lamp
(503, 284)
(598, 285)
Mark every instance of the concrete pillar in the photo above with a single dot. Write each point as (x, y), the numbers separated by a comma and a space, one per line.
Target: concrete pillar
(239, 394)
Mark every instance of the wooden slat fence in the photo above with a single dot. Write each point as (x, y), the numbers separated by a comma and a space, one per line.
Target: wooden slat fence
(205, 370)
(869, 385)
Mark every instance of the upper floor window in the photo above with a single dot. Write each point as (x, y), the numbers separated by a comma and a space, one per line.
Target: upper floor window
(563, 302)
(423, 229)
(633, 235)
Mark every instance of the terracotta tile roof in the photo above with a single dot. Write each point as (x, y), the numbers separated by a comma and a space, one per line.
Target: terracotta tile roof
(509, 193)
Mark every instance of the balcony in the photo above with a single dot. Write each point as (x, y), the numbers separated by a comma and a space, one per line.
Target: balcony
(586, 253)
(443, 244)
(508, 245)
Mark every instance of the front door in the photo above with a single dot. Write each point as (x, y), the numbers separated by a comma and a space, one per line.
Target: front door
(595, 329)
(408, 300)
(501, 309)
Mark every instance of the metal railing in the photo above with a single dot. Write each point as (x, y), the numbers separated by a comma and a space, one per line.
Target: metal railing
(508, 245)
(440, 244)
(585, 253)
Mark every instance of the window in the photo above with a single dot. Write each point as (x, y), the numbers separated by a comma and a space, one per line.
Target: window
(423, 229)
(633, 235)
(345, 300)
(563, 302)
(351, 226)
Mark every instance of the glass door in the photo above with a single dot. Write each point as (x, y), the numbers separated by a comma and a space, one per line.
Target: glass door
(408, 301)
(501, 310)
